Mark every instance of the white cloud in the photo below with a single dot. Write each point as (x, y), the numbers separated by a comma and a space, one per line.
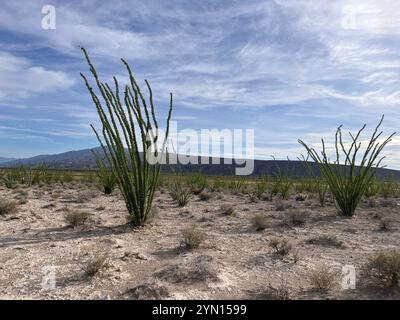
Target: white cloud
(20, 79)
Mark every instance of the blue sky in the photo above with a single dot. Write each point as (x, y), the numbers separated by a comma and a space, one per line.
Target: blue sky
(288, 69)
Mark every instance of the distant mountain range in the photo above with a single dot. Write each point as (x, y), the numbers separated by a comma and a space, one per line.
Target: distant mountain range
(83, 160)
(4, 160)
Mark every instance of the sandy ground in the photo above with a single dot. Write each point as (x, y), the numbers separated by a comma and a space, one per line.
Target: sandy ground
(235, 261)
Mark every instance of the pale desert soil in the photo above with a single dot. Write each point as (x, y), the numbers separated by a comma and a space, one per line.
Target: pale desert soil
(235, 262)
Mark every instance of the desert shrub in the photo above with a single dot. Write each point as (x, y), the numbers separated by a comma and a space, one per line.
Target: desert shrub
(261, 221)
(282, 183)
(372, 189)
(75, 218)
(280, 246)
(95, 263)
(389, 187)
(236, 186)
(261, 187)
(106, 175)
(7, 206)
(322, 278)
(9, 180)
(201, 269)
(65, 177)
(386, 224)
(383, 268)
(346, 181)
(388, 203)
(326, 241)
(270, 292)
(152, 290)
(86, 195)
(205, 196)
(193, 236)
(227, 209)
(179, 191)
(301, 197)
(295, 217)
(318, 185)
(128, 124)
(296, 255)
(218, 184)
(197, 182)
(281, 205)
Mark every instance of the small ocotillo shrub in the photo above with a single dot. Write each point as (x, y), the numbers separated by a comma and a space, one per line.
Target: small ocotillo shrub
(179, 191)
(197, 182)
(282, 180)
(106, 175)
(372, 189)
(128, 124)
(319, 184)
(346, 181)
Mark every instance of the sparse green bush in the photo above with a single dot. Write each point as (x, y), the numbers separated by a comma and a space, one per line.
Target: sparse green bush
(389, 187)
(318, 185)
(372, 189)
(260, 188)
(197, 182)
(193, 236)
(346, 181)
(107, 177)
(283, 182)
(179, 191)
(127, 125)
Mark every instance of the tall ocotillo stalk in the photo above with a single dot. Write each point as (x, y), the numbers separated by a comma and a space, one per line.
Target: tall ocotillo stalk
(126, 128)
(348, 181)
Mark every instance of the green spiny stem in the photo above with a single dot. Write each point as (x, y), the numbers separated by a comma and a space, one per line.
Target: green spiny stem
(120, 142)
(347, 182)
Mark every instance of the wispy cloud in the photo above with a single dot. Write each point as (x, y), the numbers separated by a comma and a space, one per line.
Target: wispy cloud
(288, 69)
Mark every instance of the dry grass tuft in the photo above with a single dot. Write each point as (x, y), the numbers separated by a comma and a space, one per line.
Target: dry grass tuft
(193, 236)
(75, 218)
(322, 279)
(7, 207)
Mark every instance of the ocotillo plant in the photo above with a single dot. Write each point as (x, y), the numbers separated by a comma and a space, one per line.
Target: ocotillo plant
(106, 175)
(129, 123)
(320, 184)
(346, 180)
